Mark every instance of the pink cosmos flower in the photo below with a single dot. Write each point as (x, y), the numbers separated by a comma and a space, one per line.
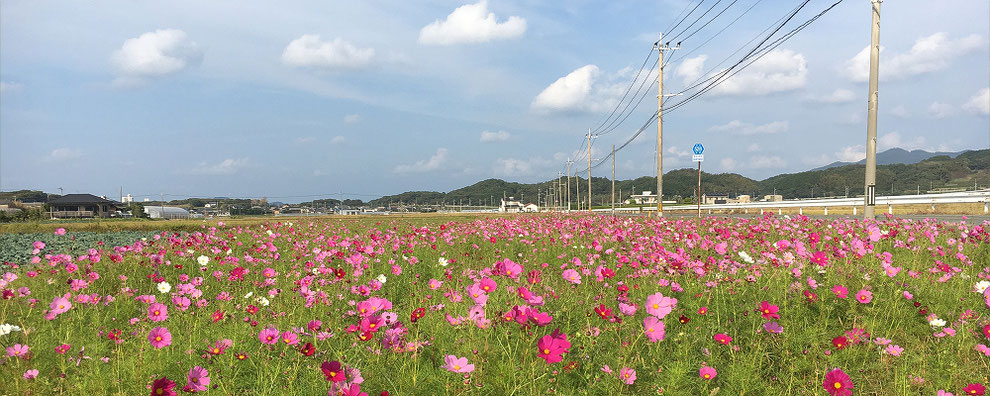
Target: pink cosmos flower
(908, 295)
(60, 231)
(655, 329)
(627, 309)
(159, 337)
(659, 306)
(353, 390)
(723, 339)
(457, 365)
(627, 375)
(840, 291)
(572, 276)
(17, 350)
(942, 392)
(707, 373)
(157, 312)
(864, 296)
(60, 305)
(290, 338)
(31, 374)
(197, 380)
(268, 336)
(894, 350)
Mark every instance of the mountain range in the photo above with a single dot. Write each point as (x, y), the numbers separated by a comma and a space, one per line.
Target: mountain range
(895, 156)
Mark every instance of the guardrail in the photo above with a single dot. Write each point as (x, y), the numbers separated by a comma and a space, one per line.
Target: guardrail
(981, 196)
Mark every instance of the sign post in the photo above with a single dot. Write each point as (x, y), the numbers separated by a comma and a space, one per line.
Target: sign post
(698, 157)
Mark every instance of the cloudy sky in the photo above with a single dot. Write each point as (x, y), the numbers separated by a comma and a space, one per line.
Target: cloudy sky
(296, 99)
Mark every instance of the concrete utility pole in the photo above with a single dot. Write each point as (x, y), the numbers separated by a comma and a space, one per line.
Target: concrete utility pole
(577, 187)
(569, 185)
(589, 169)
(613, 180)
(699, 189)
(660, 47)
(870, 200)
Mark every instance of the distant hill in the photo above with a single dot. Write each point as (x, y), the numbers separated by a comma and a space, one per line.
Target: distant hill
(895, 156)
(935, 171)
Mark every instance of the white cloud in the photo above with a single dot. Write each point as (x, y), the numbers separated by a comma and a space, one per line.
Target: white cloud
(569, 92)
(338, 140)
(515, 167)
(753, 148)
(691, 68)
(433, 163)
(837, 96)
(225, 167)
(851, 153)
(63, 154)
(7, 87)
(304, 140)
(941, 110)
(895, 140)
(498, 136)
(310, 50)
(777, 71)
(928, 54)
(766, 162)
(729, 164)
(979, 103)
(471, 23)
(900, 111)
(352, 118)
(582, 90)
(737, 127)
(154, 54)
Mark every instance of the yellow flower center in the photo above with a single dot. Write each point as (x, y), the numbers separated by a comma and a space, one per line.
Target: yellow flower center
(456, 367)
(837, 385)
(655, 306)
(333, 373)
(708, 376)
(159, 338)
(546, 351)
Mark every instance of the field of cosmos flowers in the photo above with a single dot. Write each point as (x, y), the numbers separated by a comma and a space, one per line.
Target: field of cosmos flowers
(528, 305)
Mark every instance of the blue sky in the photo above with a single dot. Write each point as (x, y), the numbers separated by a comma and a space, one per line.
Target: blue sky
(292, 99)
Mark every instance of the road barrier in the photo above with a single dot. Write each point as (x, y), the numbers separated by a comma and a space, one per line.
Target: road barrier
(980, 196)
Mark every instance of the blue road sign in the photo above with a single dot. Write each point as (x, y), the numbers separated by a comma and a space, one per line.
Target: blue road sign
(698, 148)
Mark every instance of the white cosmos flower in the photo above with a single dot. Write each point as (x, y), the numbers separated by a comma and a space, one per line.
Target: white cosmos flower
(203, 260)
(981, 286)
(443, 262)
(381, 278)
(6, 328)
(937, 322)
(164, 287)
(270, 233)
(262, 300)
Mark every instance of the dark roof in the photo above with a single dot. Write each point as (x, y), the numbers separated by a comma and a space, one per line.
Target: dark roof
(82, 199)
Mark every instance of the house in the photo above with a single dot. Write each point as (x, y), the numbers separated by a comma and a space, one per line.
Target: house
(709, 199)
(83, 206)
(531, 208)
(510, 205)
(646, 198)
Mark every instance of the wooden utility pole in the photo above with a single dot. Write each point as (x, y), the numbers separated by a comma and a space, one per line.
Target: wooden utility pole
(871, 118)
(589, 170)
(699, 189)
(569, 185)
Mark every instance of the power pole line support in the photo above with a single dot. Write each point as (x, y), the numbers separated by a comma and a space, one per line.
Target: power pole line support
(613, 180)
(871, 119)
(589, 170)
(660, 47)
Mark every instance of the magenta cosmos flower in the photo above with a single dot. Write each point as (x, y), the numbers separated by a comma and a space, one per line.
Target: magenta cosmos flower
(627, 375)
(723, 338)
(837, 383)
(457, 365)
(163, 387)
(654, 329)
(975, 389)
(268, 336)
(659, 306)
(840, 291)
(60, 305)
(157, 312)
(769, 311)
(198, 379)
(290, 338)
(553, 346)
(864, 296)
(333, 371)
(707, 373)
(159, 337)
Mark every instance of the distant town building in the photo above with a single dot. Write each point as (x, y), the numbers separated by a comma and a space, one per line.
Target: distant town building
(711, 199)
(773, 198)
(531, 208)
(127, 199)
(82, 206)
(646, 198)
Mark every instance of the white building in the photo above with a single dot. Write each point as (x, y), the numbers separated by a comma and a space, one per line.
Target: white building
(510, 205)
(167, 212)
(646, 198)
(127, 199)
(531, 208)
